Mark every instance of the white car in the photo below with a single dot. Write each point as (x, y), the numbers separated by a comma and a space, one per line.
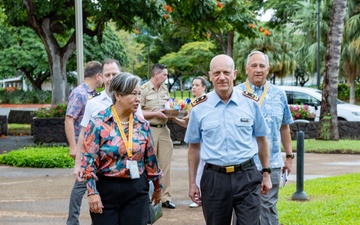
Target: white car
(312, 98)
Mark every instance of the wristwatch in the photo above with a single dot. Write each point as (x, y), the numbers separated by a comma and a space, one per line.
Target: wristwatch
(290, 156)
(266, 170)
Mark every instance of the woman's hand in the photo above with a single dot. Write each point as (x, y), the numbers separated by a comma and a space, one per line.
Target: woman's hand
(95, 204)
(156, 197)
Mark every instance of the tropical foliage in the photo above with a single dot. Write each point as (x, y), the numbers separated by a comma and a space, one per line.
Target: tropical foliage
(56, 110)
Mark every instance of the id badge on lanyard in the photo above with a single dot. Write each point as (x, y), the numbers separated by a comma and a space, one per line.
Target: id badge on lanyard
(134, 169)
(131, 165)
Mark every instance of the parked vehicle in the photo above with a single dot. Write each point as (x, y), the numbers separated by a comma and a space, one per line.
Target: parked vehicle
(312, 98)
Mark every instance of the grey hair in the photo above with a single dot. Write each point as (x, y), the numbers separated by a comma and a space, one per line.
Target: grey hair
(123, 84)
(258, 52)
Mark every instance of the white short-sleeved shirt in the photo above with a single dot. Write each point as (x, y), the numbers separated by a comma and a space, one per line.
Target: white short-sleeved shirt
(97, 104)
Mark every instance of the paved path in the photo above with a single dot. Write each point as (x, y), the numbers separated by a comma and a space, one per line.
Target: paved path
(40, 196)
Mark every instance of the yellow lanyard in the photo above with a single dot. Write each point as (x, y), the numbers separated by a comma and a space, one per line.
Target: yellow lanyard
(263, 94)
(128, 143)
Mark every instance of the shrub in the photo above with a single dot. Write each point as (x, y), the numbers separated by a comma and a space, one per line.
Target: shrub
(301, 112)
(343, 91)
(21, 96)
(39, 157)
(57, 110)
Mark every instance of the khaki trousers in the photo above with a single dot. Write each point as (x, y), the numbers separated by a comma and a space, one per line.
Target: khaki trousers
(164, 150)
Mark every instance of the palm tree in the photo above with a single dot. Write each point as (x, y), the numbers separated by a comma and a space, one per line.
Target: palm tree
(328, 114)
(351, 47)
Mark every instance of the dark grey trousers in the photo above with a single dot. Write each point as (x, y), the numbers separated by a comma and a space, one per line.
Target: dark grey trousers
(224, 192)
(76, 197)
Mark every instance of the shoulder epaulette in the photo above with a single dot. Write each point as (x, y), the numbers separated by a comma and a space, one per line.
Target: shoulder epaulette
(251, 96)
(94, 95)
(199, 100)
(144, 86)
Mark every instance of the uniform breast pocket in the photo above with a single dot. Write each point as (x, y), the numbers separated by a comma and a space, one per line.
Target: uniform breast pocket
(211, 130)
(151, 98)
(244, 126)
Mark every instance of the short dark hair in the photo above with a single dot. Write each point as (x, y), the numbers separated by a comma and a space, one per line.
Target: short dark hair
(92, 68)
(123, 84)
(109, 61)
(157, 67)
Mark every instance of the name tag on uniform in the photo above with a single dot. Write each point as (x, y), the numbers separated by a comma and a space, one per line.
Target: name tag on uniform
(245, 120)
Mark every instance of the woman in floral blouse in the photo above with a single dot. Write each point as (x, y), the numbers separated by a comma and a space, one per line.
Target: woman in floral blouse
(119, 159)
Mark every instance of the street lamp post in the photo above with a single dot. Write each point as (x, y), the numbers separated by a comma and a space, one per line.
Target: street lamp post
(79, 41)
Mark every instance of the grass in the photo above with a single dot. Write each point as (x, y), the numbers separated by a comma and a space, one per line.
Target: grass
(179, 95)
(19, 129)
(319, 146)
(331, 201)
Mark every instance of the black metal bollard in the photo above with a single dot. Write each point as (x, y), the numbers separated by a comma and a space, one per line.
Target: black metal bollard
(300, 194)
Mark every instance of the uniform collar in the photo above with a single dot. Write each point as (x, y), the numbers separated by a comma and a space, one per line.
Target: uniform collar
(215, 100)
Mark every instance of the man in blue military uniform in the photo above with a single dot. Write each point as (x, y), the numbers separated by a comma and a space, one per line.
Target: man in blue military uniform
(273, 104)
(230, 129)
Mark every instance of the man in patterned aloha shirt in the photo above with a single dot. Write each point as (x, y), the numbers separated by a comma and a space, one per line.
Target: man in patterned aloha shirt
(74, 114)
(273, 104)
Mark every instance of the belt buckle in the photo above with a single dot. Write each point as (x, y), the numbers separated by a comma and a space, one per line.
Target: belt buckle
(230, 169)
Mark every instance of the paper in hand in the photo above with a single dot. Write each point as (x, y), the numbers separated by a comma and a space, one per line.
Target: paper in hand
(284, 178)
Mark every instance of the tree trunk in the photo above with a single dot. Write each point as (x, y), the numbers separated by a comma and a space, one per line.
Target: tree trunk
(352, 92)
(57, 56)
(230, 43)
(328, 127)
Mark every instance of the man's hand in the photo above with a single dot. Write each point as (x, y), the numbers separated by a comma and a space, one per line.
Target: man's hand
(95, 204)
(288, 165)
(72, 151)
(266, 184)
(160, 114)
(194, 194)
(78, 173)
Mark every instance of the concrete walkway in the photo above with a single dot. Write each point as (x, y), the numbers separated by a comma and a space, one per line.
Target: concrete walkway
(40, 196)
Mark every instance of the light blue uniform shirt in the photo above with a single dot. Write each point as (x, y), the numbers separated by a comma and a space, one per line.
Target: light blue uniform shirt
(276, 112)
(226, 132)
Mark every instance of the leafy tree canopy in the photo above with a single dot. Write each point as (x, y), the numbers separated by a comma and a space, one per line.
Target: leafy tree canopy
(54, 23)
(191, 60)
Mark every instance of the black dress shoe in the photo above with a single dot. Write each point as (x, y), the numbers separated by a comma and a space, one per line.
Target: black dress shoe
(168, 205)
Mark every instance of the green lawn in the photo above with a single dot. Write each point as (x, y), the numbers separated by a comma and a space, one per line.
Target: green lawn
(331, 201)
(19, 129)
(341, 146)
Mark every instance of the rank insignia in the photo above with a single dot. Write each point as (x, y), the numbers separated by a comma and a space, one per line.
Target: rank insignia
(94, 95)
(251, 96)
(144, 86)
(199, 100)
